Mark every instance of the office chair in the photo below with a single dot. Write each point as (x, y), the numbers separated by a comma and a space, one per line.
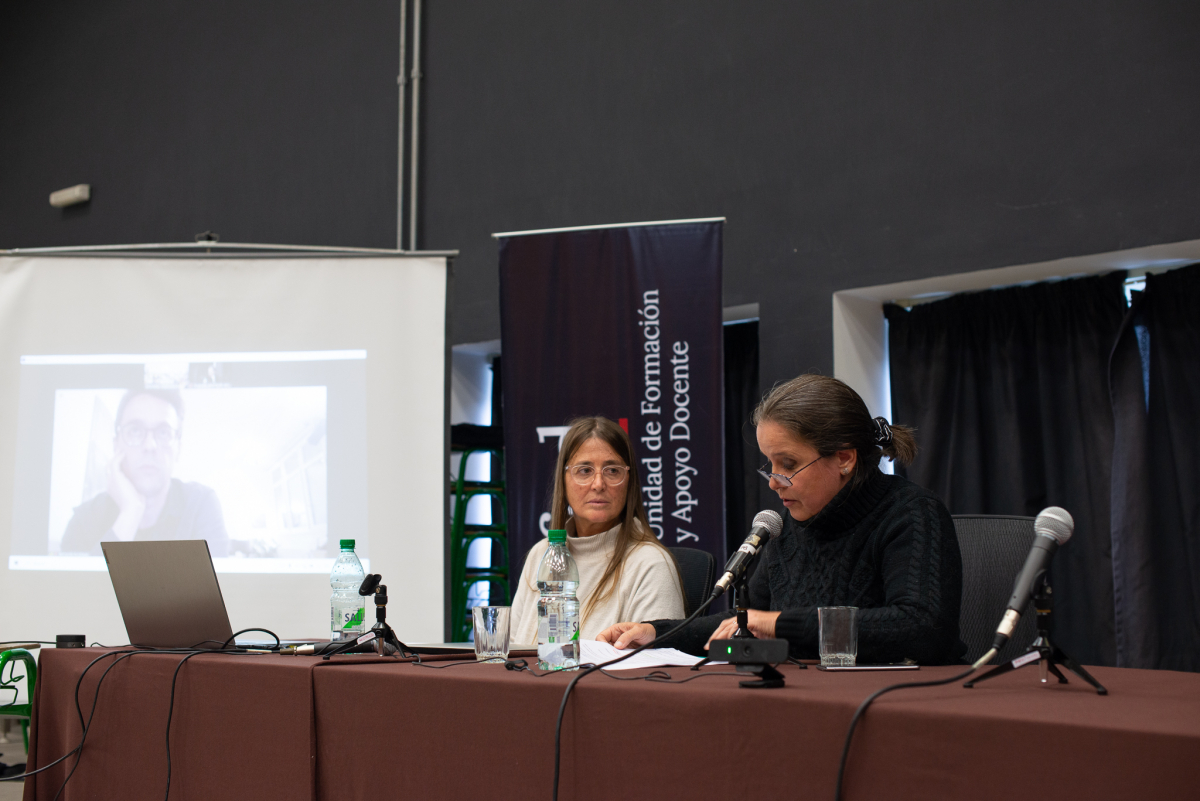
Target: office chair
(697, 569)
(994, 548)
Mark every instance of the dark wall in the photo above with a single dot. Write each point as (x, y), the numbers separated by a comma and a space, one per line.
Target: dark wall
(265, 121)
(849, 143)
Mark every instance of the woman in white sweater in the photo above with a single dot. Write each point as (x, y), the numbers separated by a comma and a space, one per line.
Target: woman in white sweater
(624, 572)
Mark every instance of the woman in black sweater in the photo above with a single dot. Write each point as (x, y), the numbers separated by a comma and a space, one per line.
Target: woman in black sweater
(854, 536)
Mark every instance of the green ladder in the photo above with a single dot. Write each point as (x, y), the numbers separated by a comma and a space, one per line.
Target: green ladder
(463, 534)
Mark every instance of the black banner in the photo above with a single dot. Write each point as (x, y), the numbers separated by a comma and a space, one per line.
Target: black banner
(623, 322)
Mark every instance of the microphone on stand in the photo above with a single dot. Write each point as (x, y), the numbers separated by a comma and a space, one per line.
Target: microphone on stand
(1052, 528)
(767, 525)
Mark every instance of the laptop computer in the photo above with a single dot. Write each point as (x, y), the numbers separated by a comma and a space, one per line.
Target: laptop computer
(169, 595)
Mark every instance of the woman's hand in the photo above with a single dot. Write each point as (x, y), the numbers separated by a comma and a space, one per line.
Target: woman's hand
(627, 635)
(762, 625)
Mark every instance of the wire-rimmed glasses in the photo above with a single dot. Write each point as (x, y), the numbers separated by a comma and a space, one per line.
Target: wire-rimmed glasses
(613, 474)
(765, 472)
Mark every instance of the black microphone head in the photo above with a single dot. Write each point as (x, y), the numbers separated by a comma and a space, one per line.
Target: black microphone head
(770, 520)
(1056, 523)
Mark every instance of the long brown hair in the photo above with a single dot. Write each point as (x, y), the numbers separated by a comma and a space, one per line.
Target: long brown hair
(830, 416)
(635, 525)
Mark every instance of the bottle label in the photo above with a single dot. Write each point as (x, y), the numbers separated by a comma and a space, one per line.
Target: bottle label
(355, 620)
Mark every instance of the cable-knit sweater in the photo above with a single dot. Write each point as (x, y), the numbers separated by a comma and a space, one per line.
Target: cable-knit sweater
(886, 546)
(649, 585)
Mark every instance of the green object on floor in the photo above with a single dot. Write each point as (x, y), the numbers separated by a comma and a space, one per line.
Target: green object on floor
(9, 660)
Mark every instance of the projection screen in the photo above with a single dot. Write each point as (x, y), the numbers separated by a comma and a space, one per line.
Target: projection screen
(280, 403)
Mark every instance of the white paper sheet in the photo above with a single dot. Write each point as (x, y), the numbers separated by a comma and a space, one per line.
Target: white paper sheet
(598, 652)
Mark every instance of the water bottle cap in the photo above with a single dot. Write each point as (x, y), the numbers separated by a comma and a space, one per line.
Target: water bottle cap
(557, 535)
(347, 545)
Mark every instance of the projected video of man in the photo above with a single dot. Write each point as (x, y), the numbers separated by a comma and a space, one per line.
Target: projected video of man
(232, 448)
(142, 500)
(241, 467)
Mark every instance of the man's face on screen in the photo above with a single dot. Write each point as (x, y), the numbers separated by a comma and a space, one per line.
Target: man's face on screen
(148, 436)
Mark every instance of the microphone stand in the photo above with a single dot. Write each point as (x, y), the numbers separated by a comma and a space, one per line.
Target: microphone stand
(385, 640)
(768, 676)
(1048, 655)
(741, 591)
(740, 594)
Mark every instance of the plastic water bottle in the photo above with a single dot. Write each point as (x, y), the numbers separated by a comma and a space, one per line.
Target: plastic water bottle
(558, 606)
(347, 609)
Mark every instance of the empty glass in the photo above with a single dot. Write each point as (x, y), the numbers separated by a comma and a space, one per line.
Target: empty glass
(491, 632)
(838, 635)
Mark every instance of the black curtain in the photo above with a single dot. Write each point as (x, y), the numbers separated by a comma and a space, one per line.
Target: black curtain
(741, 448)
(1156, 487)
(1008, 390)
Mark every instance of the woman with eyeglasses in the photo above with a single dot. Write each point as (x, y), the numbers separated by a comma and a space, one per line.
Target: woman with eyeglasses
(624, 572)
(853, 536)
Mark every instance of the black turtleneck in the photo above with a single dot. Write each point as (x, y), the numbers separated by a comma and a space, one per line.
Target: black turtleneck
(884, 545)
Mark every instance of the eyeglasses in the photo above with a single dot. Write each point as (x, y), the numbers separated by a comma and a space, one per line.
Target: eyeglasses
(765, 472)
(133, 435)
(584, 474)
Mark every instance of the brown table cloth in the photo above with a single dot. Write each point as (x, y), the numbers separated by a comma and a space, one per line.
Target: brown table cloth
(242, 727)
(389, 729)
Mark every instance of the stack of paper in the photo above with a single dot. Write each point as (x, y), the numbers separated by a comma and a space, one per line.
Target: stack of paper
(598, 653)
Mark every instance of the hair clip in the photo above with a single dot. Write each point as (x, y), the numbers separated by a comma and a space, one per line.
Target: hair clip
(883, 432)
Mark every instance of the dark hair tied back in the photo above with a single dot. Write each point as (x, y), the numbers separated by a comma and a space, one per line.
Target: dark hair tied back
(830, 416)
(883, 432)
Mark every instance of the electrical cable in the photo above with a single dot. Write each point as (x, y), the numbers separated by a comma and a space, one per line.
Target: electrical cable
(862, 708)
(521, 666)
(233, 636)
(562, 708)
(78, 750)
(171, 708)
(85, 725)
(121, 656)
(663, 677)
(419, 663)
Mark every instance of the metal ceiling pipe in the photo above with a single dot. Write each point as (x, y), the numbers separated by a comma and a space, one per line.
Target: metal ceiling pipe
(414, 141)
(402, 82)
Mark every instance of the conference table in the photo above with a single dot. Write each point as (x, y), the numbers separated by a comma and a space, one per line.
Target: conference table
(270, 726)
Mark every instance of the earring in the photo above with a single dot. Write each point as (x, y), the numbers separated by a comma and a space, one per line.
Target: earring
(845, 470)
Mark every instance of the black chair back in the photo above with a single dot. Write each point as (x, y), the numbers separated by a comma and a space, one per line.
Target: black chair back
(697, 568)
(994, 549)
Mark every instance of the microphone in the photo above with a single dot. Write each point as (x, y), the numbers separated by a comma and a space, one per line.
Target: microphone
(1052, 528)
(767, 525)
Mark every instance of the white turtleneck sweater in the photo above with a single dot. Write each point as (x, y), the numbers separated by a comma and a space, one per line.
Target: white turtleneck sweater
(649, 588)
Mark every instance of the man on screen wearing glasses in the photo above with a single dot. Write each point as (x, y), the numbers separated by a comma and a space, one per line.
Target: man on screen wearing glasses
(143, 501)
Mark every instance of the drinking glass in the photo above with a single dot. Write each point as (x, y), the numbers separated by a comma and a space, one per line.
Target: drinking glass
(838, 635)
(491, 632)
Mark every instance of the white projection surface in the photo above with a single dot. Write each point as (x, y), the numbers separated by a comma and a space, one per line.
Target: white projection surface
(271, 406)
